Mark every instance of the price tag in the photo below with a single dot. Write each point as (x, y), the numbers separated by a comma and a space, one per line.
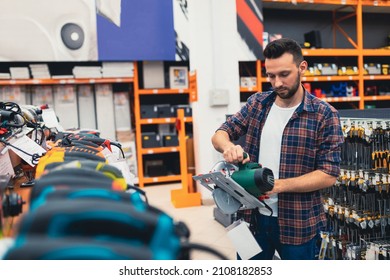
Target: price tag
(25, 148)
(50, 119)
(124, 168)
(243, 240)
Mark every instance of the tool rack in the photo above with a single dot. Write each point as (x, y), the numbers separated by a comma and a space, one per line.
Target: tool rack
(358, 205)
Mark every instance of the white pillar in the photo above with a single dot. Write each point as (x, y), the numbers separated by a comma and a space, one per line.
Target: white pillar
(213, 54)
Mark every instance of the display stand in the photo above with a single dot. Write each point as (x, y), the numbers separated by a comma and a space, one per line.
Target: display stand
(184, 197)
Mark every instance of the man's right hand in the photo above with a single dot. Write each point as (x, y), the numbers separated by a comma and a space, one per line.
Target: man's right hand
(231, 153)
(235, 154)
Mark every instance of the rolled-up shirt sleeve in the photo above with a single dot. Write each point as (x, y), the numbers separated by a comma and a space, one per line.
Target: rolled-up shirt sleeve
(330, 140)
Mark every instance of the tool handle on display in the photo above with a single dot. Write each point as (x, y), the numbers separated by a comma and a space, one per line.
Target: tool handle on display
(59, 192)
(103, 220)
(76, 248)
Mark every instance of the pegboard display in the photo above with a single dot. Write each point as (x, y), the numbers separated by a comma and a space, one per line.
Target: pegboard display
(358, 205)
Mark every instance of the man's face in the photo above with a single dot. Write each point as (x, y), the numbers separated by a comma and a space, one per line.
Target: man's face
(284, 75)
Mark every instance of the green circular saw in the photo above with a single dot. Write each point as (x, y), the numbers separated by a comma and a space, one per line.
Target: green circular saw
(234, 187)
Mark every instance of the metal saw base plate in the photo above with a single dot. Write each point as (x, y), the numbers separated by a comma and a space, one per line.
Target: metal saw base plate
(217, 179)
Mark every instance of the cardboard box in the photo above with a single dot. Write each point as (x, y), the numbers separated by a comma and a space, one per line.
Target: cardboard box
(124, 135)
(373, 68)
(248, 82)
(327, 69)
(153, 74)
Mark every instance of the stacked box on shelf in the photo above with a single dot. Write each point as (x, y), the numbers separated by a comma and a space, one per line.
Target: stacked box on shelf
(151, 140)
(165, 111)
(148, 111)
(169, 140)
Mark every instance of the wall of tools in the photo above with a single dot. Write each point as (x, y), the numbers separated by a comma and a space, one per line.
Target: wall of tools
(358, 205)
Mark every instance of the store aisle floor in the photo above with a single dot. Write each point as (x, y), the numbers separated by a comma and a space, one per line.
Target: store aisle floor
(204, 228)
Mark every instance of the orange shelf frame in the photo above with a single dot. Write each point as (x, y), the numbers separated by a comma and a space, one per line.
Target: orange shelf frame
(342, 99)
(376, 77)
(160, 150)
(185, 196)
(376, 52)
(330, 78)
(163, 120)
(65, 81)
(162, 91)
(377, 98)
(330, 52)
(250, 89)
(161, 179)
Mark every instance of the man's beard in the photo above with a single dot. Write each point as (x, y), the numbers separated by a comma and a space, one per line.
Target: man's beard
(290, 92)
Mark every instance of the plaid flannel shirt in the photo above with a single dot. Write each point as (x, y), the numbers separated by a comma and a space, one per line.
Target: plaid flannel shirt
(311, 141)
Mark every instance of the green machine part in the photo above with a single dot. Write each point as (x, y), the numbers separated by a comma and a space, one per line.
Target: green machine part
(254, 178)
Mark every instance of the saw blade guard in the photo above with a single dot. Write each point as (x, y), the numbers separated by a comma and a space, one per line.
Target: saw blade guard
(225, 202)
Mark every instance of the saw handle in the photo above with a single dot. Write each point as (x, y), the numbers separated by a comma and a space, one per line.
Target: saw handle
(245, 165)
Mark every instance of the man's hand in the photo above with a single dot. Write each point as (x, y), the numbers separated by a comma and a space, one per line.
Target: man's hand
(235, 154)
(231, 153)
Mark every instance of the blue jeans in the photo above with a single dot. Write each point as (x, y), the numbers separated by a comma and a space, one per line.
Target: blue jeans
(268, 237)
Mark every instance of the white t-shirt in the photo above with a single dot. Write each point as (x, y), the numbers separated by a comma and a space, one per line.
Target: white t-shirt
(270, 146)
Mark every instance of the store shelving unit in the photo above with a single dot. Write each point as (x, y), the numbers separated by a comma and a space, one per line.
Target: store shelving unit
(140, 123)
(190, 93)
(357, 51)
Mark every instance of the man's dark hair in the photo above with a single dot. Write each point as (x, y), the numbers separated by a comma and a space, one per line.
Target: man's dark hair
(277, 48)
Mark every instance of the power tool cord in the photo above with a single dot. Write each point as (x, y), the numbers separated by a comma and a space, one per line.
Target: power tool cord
(195, 246)
(34, 157)
(267, 206)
